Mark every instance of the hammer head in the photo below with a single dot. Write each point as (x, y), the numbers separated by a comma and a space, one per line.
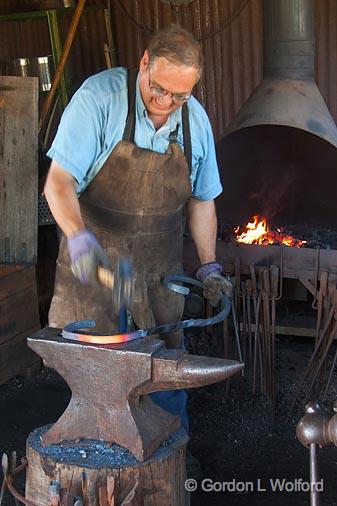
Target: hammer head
(122, 288)
(120, 281)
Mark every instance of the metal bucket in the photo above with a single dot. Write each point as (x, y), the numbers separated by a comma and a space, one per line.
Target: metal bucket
(43, 68)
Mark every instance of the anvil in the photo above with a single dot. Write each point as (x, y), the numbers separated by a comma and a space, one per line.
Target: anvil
(110, 383)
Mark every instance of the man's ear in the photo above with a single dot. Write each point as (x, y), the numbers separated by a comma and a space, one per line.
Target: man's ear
(144, 62)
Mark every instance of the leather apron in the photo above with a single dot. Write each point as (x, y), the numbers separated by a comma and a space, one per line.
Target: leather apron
(134, 206)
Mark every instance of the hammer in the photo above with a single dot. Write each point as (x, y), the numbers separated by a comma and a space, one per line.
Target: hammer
(120, 283)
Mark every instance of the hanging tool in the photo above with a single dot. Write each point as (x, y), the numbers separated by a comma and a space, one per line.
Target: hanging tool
(274, 277)
(249, 293)
(320, 352)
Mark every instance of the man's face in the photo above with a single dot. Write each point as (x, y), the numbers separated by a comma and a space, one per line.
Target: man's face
(164, 86)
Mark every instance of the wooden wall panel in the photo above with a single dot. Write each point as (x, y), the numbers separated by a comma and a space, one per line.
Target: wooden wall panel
(18, 168)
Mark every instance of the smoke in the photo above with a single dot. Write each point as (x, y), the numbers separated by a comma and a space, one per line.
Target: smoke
(277, 192)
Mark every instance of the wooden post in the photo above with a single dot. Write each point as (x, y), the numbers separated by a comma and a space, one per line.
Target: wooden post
(88, 468)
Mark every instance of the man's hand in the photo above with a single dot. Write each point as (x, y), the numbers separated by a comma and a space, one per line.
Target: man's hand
(215, 284)
(86, 256)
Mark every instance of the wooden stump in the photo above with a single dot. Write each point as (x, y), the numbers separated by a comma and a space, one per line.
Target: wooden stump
(160, 480)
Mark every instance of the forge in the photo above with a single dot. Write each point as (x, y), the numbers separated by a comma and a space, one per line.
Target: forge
(278, 160)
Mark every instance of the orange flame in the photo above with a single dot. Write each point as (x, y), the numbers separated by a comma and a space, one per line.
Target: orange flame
(257, 232)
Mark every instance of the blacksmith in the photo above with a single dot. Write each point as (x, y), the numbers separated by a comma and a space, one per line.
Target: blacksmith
(133, 150)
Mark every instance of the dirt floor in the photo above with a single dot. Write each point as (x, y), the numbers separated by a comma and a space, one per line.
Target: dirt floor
(234, 436)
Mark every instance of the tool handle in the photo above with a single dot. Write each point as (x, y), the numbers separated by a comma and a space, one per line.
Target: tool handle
(274, 279)
(105, 276)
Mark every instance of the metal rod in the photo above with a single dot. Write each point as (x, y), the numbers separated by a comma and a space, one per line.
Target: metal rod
(314, 476)
(237, 337)
(330, 376)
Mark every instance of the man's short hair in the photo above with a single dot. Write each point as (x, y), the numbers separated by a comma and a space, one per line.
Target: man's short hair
(178, 46)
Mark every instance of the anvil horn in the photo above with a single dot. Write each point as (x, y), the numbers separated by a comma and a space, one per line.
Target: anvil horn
(174, 370)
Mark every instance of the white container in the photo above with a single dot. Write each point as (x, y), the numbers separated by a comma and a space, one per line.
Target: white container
(21, 66)
(43, 68)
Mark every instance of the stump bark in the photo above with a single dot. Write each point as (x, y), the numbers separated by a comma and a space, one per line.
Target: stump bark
(91, 464)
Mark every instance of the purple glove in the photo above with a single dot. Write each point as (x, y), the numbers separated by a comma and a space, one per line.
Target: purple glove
(214, 283)
(86, 255)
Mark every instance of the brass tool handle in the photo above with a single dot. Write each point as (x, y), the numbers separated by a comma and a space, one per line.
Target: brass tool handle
(105, 276)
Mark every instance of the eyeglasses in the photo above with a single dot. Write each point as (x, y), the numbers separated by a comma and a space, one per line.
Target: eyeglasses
(159, 92)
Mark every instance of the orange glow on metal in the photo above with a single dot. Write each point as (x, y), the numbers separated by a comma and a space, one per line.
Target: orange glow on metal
(100, 339)
(257, 232)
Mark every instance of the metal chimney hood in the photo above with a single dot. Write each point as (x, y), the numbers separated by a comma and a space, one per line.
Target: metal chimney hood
(278, 157)
(288, 94)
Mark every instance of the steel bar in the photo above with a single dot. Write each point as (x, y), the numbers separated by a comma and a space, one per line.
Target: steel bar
(312, 360)
(330, 376)
(314, 475)
(263, 333)
(249, 317)
(321, 361)
(236, 331)
(244, 318)
(266, 284)
(257, 347)
(321, 295)
(274, 275)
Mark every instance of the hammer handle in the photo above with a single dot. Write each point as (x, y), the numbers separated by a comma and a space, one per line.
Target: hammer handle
(105, 276)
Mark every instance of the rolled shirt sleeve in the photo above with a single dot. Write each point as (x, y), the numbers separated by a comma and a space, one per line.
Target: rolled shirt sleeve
(79, 145)
(205, 177)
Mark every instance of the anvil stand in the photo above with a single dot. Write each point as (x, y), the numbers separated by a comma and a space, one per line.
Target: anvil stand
(111, 435)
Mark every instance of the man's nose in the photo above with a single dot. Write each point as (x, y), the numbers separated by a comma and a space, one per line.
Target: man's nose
(165, 99)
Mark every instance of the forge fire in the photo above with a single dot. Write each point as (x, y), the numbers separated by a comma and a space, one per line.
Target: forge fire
(257, 231)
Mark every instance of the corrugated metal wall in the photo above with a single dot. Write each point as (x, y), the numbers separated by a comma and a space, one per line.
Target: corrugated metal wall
(326, 52)
(230, 32)
(13, 6)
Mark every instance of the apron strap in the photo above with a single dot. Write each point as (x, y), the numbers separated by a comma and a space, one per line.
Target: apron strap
(130, 124)
(187, 135)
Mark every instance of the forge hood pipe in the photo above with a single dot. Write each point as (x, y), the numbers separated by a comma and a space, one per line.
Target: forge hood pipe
(289, 39)
(288, 94)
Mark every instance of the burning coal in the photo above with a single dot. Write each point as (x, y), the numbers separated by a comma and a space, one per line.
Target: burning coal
(256, 231)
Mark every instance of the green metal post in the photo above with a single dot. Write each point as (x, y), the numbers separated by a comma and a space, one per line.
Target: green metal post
(57, 53)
